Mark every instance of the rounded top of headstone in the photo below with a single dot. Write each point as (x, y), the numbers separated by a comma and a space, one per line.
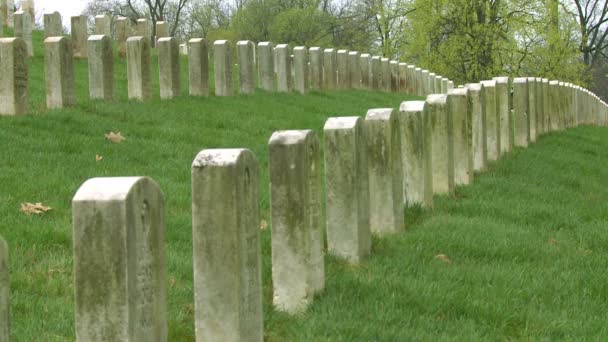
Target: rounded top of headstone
(109, 188)
(418, 69)
(314, 48)
(561, 83)
(341, 51)
(474, 86)
(365, 55)
(411, 106)
(97, 37)
(395, 62)
(243, 42)
(425, 71)
(282, 46)
(197, 40)
(520, 80)
(438, 77)
(135, 38)
(290, 137)
(531, 79)
(460, 91)
(220, 157)
(445, 79)
(432, 74)
(376, 57)
(379, 114)
(384, 59)
(329, 50)
(299, 48)
(488, 83)
(219, 42)
(411, 67)
(264, 44)
(54, 39)
(403, 64)
(353, 53)
(437, 99)
(343, 122)
(501, 79)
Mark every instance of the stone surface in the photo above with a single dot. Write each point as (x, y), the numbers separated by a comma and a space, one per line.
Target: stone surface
(385, 74)
(245, 60)
(441, 143)
(5, 322)
(354, 69)
(79, 32)
(162, 29)
(222, 51)
(103, 25)
(298, 270)
(384, 171)
(300, 67)
(227, 246)
(504, 113)
(101, 67)
(23, 29)
(315, 55)
(343, 69)
(478, 126)
(425, 85)
(460, 112)
(492, 121)
(13, 77)
(532, 108)
(376, 73)
(521, 117)
(138, 68)
(143, 29)
(546, 106)
(431, 84)
(330, 73)
(183, 49)
(198, 67)
(266, 68)
(347, 188)
(59, 72)
(444, 85)
(438, 85)
(365, 61)
(28, 7)
(123, 32)
(402, 77)
(53, 26)
(394, 74)
(419, 82)
(540, 127)
(169, 68)
(120, 272)
(411, 80)
(283, 65)
(415, 131)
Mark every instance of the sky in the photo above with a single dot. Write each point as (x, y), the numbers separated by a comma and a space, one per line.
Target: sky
(67, 8)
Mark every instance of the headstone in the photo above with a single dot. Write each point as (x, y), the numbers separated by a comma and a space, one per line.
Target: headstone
(169, 68)
(315, 54)
(354, 67)
(394, 66)
(300, 66)
(415, 130)
(143, 29)
(343, 68)
(59, 72)
(13, 77)
(438, 85)
(298, 270)
(521, 119)
(478, 126)
(222, 51)
(198, 67)
(53, 26)
(101, 67)
(546, 106)
(426, 86)
(120, 271)
(123, 32)
(227, 246)
(80, 35)
(385, 171)
(162, 29)
(385, 66)
(540, 127)
(504, 113)
(283, 63)
(3, 16)
(330, 74)
(103, 25)
(403, 77)
(138, 68)
(365, 67)
(183, 49)
(441, 143)
(419, 84)
(444, 85)
(492, 120)
(28, 6)
(347, 188)
(461, 114)
(376, 73)
(10, 11)
(265, 56)
(23, 29)
(244, 55)
(532, 108)
(4, 293)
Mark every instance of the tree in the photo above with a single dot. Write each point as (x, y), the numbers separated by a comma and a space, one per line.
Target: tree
(592, 18)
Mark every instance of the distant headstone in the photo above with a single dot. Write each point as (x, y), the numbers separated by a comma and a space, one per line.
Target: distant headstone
(427, 88)
(347, 188)
(394, 66)
(59, 72)
(386, 212)
(365, 66)
(183, 49)
(300, 67)
(4, 293)
(53, 26)
(532, 106)
(376, 73)
(10, 11)
(162, 29)
(298, 270)
(101, 67)
(143, 28)
(138, 68)
(13, 77)
(385, 65)
(411, 80)
(227, 246)
(462, 138)
(343, 69)
(416, 151)
(554, 105)
(521, 115)
(222, 52)
(28, 6)
(265, 54)
(492, 120)
(478, 126)
(315, 55)
(3, 15)
(120, 271)
(444, 85)
(244, 54)
(169, 68)
(354, 69)
(23, 29)
(441, 143)
(283, 65)
(80, 35)
(402, 77)
(504, 113)
(123, 32)
(419, 82)
(330, 73)
(103, 25)
(431, 83)
(198, 67)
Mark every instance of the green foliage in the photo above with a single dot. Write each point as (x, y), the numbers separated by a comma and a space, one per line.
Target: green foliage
(302, 26)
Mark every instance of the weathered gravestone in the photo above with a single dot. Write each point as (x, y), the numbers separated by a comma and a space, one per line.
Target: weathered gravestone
(365, 65)
(532, 107)
(298, 271)
(385, 78)
(343, 69)
(492, 120)
(265, 54)
(103, 25)
(347, 188)
(227, 246)
(138, 68)
(540, 124)
(384, 171)
(441, 143)
(394, 76)
(123, 32)
(283, 66)
(120, 271)
(23, 29)
(330, 74)
(59, 72)
(244, 56)
(462, 135)
(300, 67)
(53, 26)
(354, 69)
(315, 55)
(13, 77)
(143, 29)
(162, 29)
(101, 67)
(80, 35)
(169, 68)
(222, 52)
(502, 89)
(478, 126)
(376, 73)
(198, 67)
(521, 117)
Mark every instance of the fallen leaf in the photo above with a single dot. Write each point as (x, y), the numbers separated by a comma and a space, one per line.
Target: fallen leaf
(172, 282)
(443, 258)
(116, 138)
(98, 157)
(553, 242)
(37, 209)
(263, 225)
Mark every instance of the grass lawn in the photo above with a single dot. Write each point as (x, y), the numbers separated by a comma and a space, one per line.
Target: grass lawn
(527, 240)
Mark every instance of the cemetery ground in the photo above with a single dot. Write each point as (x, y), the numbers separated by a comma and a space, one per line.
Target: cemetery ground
(520, 253)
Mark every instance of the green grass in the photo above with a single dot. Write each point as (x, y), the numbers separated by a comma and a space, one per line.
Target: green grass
(527, 240)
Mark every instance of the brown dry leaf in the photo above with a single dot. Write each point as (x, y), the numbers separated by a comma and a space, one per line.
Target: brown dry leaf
(443, 258)
(116, 138)
(98, 157)
(172, 282)
(37, 209)
(553, 242)
(263, 225)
